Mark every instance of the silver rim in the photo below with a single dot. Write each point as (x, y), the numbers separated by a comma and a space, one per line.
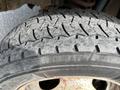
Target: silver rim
(70, 83)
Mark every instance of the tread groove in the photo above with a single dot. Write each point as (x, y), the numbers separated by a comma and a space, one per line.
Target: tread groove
(116, 39)
(110, 18)
(118, 50)
(39, 51)
(96, 37)
(117, 30)
(72, 19)
(37, 20)
(9, 43)
(50, 17)
(97, 48)
(61, 36)
(58, 38)
(78, 14)
(25, 24)
(89, 21)
(76, 37)
(76, 48)
(9, 59)
(19, 39)
(48, 30)
(22, 55)
(41, 39)
(103, 30)
(65, 29)
(62, 14)
(106, 23)
(83, 29)
(34, 35)
(94, 15)
(56, 21)
(57, 49)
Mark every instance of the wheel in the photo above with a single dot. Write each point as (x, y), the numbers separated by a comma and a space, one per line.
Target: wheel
(61, 43)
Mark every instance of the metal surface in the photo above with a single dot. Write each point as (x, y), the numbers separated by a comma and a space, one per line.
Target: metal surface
(66, 83)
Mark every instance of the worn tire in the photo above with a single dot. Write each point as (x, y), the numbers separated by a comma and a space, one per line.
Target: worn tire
(61, 43)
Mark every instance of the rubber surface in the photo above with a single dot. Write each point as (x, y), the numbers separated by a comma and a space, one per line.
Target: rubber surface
(85, 42)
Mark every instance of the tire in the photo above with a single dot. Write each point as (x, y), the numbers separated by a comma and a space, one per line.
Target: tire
(61, 43)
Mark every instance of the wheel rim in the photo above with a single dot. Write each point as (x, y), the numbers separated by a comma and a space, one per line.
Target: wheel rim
(70, 83)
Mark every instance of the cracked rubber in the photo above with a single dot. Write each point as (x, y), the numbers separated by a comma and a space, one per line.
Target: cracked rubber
(87, 43)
